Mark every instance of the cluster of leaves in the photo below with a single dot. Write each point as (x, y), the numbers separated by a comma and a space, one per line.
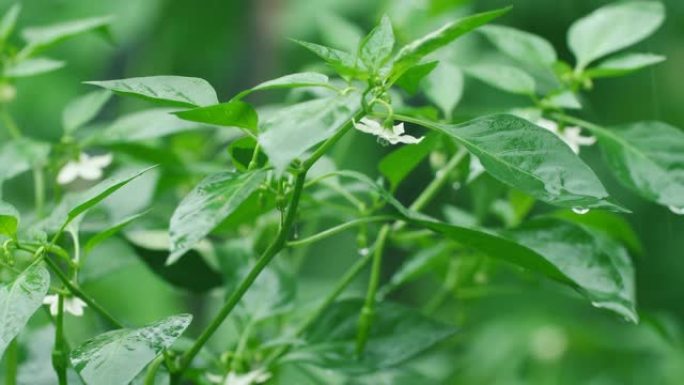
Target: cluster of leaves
(280, 176)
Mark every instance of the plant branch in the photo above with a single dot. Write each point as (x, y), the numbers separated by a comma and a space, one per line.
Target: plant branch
(338, 229)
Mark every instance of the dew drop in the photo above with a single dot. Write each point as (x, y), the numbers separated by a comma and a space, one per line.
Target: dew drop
(677, 210)
(456, 185)
(580, 210)
(363, 252)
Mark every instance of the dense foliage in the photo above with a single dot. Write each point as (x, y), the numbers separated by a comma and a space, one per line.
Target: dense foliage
(234, 217)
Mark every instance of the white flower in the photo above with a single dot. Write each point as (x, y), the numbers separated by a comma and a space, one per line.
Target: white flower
(393, 136)
(254, 377)
(86, 167)
(572, 136)
(72, 305)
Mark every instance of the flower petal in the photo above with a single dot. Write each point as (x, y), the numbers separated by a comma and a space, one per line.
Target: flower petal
(89, 172)
(101, 161)
(68, 173)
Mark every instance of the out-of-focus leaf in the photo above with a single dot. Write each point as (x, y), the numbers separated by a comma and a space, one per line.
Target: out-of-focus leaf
(606, 222)
(343, 62)
(9, 21)
(529, 158)
(444, 87)
(169, 90)
(291, 131)
(83, 109)
(599, 266)
(301, 79)
(40, 38)
(417, 265)
(612, 28)
(414, 52)
(33, 67)
(36, 366)
(397, 335)
(143, 125)
(398, 164)
(19, 155)
(232, 114)
(209, 204)
(339, 32)
(241, 152)
(9, 219)
(411, 79)
(105, 234)
(376, 48)
(648, 158)
(116, 357)
(623, 64)
(503, 77)
(19, 300)
(520, 45)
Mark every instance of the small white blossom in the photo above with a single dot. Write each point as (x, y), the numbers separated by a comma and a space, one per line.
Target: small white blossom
(393, 136)
(86, 167)
(250, 378)
(72, 305)
(572, 136)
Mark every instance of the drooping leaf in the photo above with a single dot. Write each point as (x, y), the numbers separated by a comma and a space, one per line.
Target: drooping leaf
(291, 131)
(143, 125)
(503, 77)
(613, 27)
(116, 357)
(9, 21)
(648, 158)
(398, 164)
(40, 38)
(211, 202)
(414, 52)
(376, 48)
(18, 156)
(94, 195)
(177, 91)
(33, 67)
(444, 87)
(232, 114)
(300, 79)
(520, 45)
(83, 109)
(623, 64)
(530, 159)
(397, 335)
(612, 224)
(9, 219)
(343, 62)
(599, 266)
(411, 79)
(19, 300)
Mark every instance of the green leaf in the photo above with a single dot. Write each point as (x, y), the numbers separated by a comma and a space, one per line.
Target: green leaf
(613, 27)
(414, 52)
(208, 204)
(83, 109)
(232, 114)
(289, 132)
(109, 232)
(94, 195)
(40, 38)
(33, 67)
(418, 264)
(444, 87)
(343, 62)
(143, 125)
(19, 155)
(648, 158)
(520, 45)
(9, 220)
(296, 80)
(177, 91)
(530, 159)
(503, 77)
(623, 64)
(397, 335)
(339, 32)
(599, 266)
(241, 152)
(116, 357)
(9, 21)
(398, 164)
(376, 48)
(19, 300)
(411, 79)
(611, 224)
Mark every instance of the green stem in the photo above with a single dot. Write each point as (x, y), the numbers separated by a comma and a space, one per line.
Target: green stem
(579, 122)
(80, 294)
(12, 363)
(255, 158)
(152, 370)
(368, 310)
(39, 190)
(338, 229)
(59, 354)
(9, 123)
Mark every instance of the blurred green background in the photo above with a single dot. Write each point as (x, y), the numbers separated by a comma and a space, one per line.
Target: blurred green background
(529, 336)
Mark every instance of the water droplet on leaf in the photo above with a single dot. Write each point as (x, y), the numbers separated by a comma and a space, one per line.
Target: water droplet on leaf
(677, 210)
(580, 210)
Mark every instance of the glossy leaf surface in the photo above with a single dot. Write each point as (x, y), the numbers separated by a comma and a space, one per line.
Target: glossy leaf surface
(9, 219)
(621, 65)
(170, 90)
(520, 45)
(231, 114)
